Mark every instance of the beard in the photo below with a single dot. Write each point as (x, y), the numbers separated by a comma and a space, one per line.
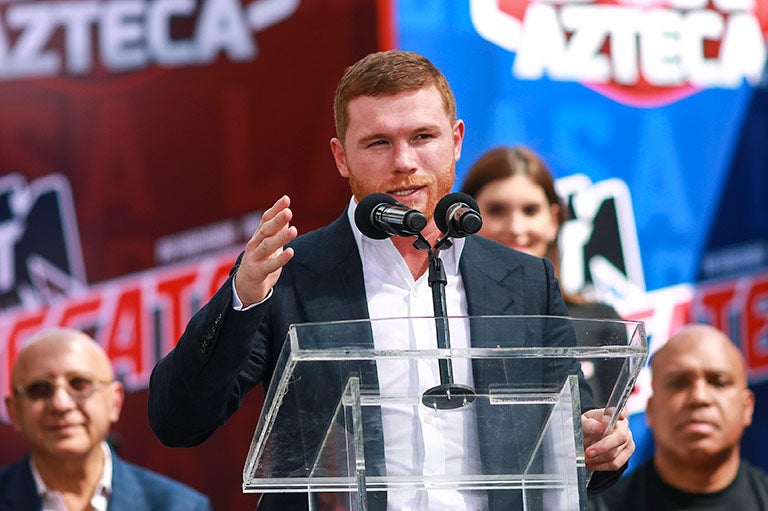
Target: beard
(438, 186)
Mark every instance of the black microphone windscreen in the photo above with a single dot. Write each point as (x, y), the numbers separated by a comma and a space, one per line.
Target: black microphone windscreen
(364, 215)
(441, 211)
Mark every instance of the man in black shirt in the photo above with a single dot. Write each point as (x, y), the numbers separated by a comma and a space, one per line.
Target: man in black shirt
(697, 414)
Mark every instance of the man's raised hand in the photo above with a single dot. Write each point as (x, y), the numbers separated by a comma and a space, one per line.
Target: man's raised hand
(264, 255)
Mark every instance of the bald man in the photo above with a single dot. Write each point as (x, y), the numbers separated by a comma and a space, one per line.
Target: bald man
(63, 403)
(697, 414)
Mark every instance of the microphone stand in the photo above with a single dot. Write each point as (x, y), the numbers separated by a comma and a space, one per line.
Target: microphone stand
(448, 395)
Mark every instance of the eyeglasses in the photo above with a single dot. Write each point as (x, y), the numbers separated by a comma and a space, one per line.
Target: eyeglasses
(79, 386)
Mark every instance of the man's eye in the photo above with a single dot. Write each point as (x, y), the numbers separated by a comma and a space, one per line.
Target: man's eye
(720, 381)
(80, 384)
(678, 383)
(39, 390)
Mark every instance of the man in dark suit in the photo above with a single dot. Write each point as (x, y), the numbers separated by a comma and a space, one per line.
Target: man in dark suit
(64, 401)
(397, 133)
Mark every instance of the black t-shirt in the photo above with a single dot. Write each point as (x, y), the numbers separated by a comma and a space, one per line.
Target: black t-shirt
(643, 490)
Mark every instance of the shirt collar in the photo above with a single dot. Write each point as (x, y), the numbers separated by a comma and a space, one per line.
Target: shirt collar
(103, 489)
(450, 256)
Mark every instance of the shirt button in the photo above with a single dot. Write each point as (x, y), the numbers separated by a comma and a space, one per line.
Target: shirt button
(428, 419)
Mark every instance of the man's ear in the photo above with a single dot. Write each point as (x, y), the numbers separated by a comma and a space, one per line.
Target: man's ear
(649, 412)
(749, 406)
(458, 139)
(10, 407)
(339, 156)
(117, 395)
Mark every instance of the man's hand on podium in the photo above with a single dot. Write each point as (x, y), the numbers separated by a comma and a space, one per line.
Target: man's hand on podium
(606, 451)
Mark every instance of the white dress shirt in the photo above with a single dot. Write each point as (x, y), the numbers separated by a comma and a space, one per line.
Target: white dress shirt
(418, 439)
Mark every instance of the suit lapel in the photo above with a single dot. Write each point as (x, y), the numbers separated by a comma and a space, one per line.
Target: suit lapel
(495, 289)
(490, 286)
(127, 493)
(332, 277)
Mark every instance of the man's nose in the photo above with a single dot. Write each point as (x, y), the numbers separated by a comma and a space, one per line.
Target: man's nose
(405, 158)
(61, 400)
(701, 392)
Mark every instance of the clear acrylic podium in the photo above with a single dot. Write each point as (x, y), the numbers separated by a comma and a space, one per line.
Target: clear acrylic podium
(512, 441)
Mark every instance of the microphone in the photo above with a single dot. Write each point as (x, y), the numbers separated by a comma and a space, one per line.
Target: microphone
(457, 215)
(379, 216)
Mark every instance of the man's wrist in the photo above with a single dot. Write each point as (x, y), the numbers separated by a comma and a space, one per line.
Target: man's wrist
(237, 303)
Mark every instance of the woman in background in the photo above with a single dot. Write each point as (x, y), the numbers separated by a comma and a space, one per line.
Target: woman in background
(521, 209)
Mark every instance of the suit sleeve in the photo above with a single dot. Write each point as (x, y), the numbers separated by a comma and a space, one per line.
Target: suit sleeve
(556, 305)
(201, 382)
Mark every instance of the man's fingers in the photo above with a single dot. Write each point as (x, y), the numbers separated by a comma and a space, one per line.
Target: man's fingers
(271, 227)
(606, 444)
(612, 451)
(277, 261)
(264, 254)
(269, 245)
(613, 459)
(279, 205)
(594, 422)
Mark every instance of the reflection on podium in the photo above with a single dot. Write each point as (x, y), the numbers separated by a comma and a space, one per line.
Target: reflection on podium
(332, 429)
